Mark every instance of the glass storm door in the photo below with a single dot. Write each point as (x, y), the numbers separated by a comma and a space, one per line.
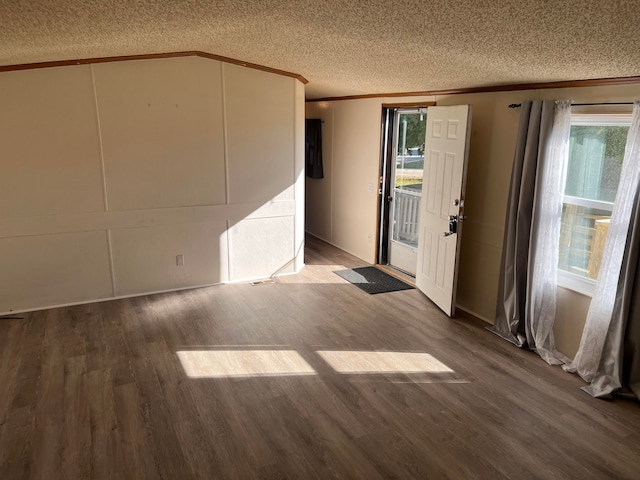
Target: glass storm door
(406, 188)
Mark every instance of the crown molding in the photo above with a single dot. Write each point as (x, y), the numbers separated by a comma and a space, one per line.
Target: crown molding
(594, 82)
(193, 53)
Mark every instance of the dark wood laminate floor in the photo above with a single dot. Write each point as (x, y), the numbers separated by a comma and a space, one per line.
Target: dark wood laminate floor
(99, 391)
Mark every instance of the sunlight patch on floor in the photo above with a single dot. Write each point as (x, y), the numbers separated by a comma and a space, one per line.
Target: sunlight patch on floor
(383, 362)
(243, 363)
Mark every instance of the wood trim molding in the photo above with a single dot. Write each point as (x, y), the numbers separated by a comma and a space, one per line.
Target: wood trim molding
(409, 105)
(594, 82)
(373, 95)
(255, 66)
(193, 53)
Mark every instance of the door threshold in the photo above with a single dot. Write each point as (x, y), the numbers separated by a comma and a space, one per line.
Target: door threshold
(399, 274)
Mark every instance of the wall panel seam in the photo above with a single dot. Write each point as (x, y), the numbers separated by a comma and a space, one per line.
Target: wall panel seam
(111, 264)
(100, 146)
(225, 141)
(229, 247)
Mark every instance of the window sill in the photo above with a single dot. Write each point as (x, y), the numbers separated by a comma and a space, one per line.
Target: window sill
(570, 281)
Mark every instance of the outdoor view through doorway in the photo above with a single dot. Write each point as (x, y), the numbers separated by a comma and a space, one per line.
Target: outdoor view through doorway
(407, 167)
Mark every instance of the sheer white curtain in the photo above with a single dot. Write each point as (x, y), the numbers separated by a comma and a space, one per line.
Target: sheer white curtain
(600, 312)
(547, 217)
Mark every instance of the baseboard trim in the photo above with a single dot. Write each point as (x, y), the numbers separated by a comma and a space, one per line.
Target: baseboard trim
(143, 294)
(471, 315)
(104, 299)
(338, 247)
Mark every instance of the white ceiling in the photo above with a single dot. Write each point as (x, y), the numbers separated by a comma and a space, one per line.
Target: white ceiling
(346, 47)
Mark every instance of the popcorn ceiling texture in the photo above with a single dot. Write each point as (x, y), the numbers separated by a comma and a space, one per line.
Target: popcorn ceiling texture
(346, 47)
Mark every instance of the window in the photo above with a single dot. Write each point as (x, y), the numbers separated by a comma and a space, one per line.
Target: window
(596, 151)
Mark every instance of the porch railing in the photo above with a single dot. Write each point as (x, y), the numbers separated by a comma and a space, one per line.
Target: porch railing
(407, 211)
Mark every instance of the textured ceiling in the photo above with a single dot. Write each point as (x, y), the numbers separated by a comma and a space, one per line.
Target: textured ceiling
(346, 47)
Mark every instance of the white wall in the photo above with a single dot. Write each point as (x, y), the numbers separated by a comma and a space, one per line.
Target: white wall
(109, 171)
(341, 210)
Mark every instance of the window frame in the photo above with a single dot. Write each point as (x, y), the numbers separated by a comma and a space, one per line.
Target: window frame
(566, 279)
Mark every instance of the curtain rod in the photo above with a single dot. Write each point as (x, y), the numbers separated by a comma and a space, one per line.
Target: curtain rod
(518, 105)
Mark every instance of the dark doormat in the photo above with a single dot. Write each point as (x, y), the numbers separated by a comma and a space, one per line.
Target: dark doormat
(373, 280)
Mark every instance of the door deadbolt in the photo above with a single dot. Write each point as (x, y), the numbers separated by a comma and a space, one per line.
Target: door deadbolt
(453, 225)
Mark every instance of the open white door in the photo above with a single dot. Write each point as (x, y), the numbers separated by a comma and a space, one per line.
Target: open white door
(445, 165)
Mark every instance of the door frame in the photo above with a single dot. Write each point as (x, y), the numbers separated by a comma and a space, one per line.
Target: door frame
(387, 130)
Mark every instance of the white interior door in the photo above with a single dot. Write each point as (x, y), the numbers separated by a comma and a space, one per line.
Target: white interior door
(445, 162)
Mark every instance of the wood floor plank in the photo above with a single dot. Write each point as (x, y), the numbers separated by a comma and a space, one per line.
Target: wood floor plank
(101, 391)
(76, 428)
(13, 338)
(16, 443)
(199, 420)
(162, 437)
(106, 449)
(139, 460)
(49, 416)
